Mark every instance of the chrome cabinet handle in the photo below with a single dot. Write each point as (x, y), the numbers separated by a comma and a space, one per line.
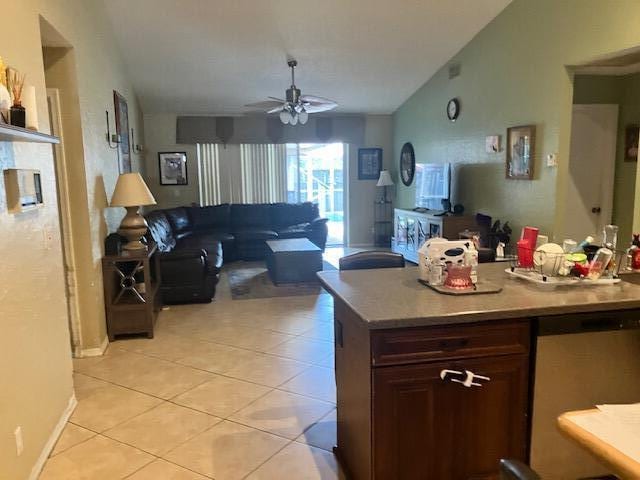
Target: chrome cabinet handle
(469, 380)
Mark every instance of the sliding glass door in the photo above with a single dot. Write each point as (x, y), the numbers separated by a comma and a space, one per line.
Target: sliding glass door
(315, 173)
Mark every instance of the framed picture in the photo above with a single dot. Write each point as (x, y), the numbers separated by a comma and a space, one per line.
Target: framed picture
(122, 130)
(521, 152)
(369, 163)
(631, 143)
(173, 168)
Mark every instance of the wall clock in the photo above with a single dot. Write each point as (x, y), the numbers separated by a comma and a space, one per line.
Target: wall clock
(407, 163)
(453, 109)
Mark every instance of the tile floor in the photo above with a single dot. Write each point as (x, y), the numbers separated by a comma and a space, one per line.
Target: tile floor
(229, 390)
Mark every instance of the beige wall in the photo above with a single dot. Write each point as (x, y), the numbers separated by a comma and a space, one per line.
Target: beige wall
(160, 135)
(35, 359)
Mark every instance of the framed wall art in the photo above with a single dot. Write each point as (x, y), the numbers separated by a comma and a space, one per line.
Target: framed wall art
(173, 168)
(122, 131)
(520, 152)
(369, 163)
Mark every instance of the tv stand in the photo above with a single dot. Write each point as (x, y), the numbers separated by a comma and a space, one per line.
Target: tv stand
(411, 229)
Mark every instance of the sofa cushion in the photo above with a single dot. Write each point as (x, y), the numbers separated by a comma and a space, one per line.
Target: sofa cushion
(300, 230)
(205, 241)
(207, 218)
(250, 215)
(285, 214)
(179, 219)
(160, 230)
(249, 234)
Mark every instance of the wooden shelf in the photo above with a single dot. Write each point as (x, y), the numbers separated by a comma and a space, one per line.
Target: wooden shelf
(9, 133)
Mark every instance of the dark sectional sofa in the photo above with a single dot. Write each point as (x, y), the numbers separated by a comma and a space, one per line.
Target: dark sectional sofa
(194, 241)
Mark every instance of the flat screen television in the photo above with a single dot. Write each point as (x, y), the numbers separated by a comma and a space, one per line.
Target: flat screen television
(433, 185)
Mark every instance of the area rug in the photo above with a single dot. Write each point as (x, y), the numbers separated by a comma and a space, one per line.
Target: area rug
(250, 280)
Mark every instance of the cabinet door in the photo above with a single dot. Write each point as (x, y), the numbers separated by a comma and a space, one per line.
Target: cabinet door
(426, 428)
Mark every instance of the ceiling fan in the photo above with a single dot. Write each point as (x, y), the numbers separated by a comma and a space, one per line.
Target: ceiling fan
(297, 107)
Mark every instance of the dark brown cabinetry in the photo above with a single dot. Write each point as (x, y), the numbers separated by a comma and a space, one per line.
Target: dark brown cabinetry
(398, 418)
(429, 428)
(131, 292)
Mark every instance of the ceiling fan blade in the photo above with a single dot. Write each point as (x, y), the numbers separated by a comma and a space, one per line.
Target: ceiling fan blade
(277, 109)
(277, 99)
(266, 105)
(319, 107)
(316, 99)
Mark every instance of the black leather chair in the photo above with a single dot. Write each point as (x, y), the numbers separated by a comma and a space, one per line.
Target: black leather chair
(373, 259)
(516, 470)
(189, 274)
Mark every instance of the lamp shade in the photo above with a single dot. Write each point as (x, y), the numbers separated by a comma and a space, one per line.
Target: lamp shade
(131, 191)
(385, 179)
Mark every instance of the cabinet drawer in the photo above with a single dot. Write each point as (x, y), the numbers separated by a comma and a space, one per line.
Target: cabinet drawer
(420, 344)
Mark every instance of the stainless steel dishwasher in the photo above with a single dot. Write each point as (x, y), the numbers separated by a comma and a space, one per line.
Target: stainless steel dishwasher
(581, 361)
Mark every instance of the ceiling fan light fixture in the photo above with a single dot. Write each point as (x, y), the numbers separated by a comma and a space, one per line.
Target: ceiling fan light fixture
(296, 107)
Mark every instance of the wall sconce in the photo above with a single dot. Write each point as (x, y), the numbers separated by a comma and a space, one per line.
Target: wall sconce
(113, 140)
(135, 147)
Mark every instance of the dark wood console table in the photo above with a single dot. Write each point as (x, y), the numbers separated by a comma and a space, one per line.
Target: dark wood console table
(131, 292)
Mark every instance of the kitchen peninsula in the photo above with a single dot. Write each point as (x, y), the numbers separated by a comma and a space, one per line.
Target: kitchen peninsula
(433, 386)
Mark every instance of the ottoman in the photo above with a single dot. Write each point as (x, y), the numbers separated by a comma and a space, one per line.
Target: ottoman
(293, 260)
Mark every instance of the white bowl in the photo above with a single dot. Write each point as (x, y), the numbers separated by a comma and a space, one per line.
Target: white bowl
(548, 258)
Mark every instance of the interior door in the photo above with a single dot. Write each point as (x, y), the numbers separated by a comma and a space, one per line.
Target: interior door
(591, 170)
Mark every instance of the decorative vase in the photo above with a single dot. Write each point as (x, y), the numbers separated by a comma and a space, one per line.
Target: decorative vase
(18, 116)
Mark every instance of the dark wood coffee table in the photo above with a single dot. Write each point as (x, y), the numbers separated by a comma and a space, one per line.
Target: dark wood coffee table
(293, 260)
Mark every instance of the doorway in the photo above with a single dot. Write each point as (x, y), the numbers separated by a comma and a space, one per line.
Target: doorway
(316, 173)
(592, 162)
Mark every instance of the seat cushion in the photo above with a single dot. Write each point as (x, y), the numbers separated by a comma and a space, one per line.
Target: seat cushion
(179, 219)
(160, 230)
(300, 230)
(249, 234)
(250, 215)
(211, 217)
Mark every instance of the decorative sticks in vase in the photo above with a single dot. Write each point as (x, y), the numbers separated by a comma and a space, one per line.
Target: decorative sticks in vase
(15, 81)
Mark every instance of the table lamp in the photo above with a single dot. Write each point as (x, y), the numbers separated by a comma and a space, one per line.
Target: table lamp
(131, 193)
(384, 181)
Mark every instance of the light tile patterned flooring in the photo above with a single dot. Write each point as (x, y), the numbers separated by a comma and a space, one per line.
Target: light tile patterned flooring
(229, 390)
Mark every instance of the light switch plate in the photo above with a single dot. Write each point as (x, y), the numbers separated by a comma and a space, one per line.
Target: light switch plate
(552, 160)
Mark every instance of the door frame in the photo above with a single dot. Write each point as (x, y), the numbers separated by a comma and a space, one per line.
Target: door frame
(64, 210)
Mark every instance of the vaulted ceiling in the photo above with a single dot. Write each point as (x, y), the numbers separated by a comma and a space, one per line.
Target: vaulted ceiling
(215, 56)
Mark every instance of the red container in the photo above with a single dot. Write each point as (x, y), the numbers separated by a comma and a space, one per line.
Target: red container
(530, 234)
(525, 254)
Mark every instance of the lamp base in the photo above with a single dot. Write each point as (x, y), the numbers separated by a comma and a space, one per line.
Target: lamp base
(133, 227)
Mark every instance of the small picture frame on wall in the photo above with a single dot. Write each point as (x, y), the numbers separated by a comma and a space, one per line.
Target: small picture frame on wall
(173, 168)
(369, 163)
(631, 135)
(521, 143)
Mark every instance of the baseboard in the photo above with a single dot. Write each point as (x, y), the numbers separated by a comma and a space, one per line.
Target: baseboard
(95, 352)
(53, 438)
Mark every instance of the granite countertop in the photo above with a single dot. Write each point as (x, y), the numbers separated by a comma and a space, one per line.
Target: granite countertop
(393, 297)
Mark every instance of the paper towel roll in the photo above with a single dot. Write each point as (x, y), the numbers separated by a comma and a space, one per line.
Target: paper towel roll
(31, 107)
